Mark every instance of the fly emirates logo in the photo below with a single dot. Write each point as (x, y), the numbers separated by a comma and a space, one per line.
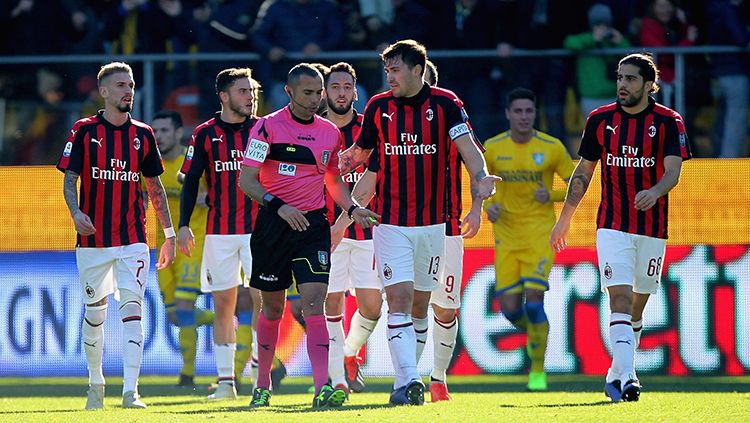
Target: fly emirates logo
(116, 173)
(629, 159)
(234, 164)
(408, 145)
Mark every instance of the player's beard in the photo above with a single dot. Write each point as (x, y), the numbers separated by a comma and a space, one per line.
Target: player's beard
(240, 109)
(339, 110)
(126, 107)
(632, 99)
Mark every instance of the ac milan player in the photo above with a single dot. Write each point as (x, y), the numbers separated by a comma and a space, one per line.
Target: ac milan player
(352, 258)
(641, 145)
(216, 148)
(109, 152)
(290, 154)
(409, 130)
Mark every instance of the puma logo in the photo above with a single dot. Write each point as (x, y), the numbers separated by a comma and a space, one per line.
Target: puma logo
(447, 345)
(421, 342)
(398, 335)
(389, 116)
(92, 345)
(451, 298)
(622, 341)
(220, 139)
(265, 346)
(366, 328)
(613, 129)
(332, 339)
(326, 346)
(135, 342)
(139, 283)
(97, 142)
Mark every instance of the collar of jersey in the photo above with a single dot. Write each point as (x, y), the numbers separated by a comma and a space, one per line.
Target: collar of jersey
(645, 111)
(105, 122)
(417, 99)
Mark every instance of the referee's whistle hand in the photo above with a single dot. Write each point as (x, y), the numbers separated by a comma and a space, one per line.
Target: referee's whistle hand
(295, 218)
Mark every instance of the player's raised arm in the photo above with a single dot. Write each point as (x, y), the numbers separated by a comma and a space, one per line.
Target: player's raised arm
(577, 187)
(161, 207)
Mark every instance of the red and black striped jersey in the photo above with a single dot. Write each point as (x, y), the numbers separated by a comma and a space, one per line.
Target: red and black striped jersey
(454, 183)
(411, 138)
(349, 134)
(632, 149)
(110, 161)
(217, 148)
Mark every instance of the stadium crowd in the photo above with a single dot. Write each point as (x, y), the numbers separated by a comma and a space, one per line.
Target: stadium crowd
(41, 102)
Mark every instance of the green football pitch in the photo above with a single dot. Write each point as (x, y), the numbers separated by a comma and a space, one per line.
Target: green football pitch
(476, 399)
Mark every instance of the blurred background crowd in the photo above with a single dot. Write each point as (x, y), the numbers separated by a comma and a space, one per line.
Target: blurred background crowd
(40, 101)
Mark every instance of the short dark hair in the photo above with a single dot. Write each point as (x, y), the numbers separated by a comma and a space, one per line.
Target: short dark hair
(520, 93)
(431, 75)
(226, 78)
(171, 115)
(300, 69)
(411, 52)
(646, 67)
(342, 67)
(112, 68)
(323, 69)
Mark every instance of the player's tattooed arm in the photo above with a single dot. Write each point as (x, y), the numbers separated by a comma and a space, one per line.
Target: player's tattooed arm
(352, 158)
(579, 182)
(158, 198)
(70, 191)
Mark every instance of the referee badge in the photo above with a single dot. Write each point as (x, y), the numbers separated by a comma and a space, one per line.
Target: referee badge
(323, 257)
(326, 156)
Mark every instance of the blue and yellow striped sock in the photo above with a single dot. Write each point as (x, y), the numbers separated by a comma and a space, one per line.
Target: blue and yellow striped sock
(538, 331)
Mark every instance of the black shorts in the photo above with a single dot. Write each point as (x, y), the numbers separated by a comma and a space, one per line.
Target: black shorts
(282, 255)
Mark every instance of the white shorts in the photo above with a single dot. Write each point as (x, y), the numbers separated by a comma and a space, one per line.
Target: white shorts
(409, 254)
(104, 271)
(448, 292)
(630, 259)
(223, 256)
(353, 266)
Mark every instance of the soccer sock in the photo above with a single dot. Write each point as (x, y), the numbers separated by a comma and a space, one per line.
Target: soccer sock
(224, 354)
(538, 331)
(268, 335)
(623, 345)
(360, 330)
(254, 357)
(92, 332)
(402, 343)
(244, 342)
(317, 349)
(637, 328)
(444, 337)
(517, 318)
(336, 349)
(132, 340)
(203, 317)
(420, 331)
(188, 337)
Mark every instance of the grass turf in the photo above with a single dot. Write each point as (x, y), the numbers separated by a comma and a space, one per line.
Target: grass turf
(477, 399)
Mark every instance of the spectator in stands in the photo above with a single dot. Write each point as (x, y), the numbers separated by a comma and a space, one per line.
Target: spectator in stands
(596, 73)
(292, 26)
(666, 26)
(377, 16)
(726, 27)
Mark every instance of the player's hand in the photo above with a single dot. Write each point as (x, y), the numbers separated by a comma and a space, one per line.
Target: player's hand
(645, 199)
(542, 193)
(559, 233)
(83, 223)
(470, 224)
(486, 186)
(185, 240)
(493, 212)
(365, 218)
(202, 199)
(295, 218)
(337, 233)
(166, 253)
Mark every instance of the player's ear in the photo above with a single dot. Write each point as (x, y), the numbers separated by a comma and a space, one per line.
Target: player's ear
(178, 134)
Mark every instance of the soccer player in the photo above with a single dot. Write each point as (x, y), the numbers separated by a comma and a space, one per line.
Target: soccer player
(641, 145)
(180, 283)
(216, 148)
(352, 257)
(109, 152)
(408, 129)
(522, 213)
(293, 151)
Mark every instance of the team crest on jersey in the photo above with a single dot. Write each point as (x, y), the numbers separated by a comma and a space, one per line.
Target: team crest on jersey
(68, 149)
(90, 292)
(326, 156)
(429, 114)
(323, 258)
(652, 131)
(387, 272)
(608, 271)
(538, 158)
(136, 143)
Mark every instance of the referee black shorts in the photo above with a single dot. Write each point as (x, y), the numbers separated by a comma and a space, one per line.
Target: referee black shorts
(282, 255)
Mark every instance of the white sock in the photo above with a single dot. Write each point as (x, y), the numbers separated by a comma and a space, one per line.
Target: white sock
(225, 361)
(623, 345)
(335, 327)
(420, 330)
(132, 341)
(360, 330)
(402, 343)
(637, 329)
(444, 336)
(92, 334)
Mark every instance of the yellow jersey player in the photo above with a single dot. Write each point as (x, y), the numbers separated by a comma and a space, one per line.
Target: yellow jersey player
(523, 215)
(180, 283)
